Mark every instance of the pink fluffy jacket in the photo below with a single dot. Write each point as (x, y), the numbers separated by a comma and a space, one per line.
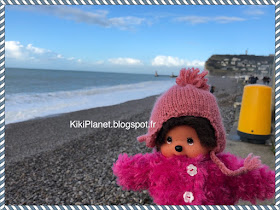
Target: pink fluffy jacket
(180, 180)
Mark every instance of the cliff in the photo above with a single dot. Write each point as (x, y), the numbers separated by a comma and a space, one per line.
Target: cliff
(240, 65)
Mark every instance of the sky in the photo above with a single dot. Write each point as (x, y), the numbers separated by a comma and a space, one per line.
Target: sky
(134, 39)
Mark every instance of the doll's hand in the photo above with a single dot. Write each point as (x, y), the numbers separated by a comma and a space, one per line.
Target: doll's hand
(258, 181)
(132, 171)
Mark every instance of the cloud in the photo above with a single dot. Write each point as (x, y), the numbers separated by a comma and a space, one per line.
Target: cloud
(126, 22)
(35, 50)
(254, 10)
(225, 19)
(99, 62)
(71, 59)
(204, 19)
(59, 56)
(125, 61)
(193, 19)
(98, 17)
(170, 61)
(15, 51)
(18, 55)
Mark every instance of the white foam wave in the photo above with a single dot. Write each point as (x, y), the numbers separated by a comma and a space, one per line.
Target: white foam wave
(21, 107)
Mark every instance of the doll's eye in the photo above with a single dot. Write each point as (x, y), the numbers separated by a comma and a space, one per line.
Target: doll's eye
(190, 141)
(169, 140)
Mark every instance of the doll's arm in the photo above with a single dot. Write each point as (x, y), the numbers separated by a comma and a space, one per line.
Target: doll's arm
(256, 184)
(132, 172)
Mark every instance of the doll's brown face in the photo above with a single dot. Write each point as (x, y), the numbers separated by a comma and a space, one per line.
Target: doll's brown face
(182, 140)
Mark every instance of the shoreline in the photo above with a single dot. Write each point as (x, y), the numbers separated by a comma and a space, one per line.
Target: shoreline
(81, 110)
(212, 80)
(44, 102)
(28, 138)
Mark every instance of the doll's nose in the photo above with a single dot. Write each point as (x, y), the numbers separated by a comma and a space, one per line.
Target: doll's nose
(178, 148)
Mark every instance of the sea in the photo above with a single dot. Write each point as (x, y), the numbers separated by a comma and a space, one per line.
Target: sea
(33, 93)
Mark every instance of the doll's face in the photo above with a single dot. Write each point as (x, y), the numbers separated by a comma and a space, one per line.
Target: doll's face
(182, 140)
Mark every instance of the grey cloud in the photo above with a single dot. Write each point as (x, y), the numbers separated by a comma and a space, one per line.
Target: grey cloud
(98, 17)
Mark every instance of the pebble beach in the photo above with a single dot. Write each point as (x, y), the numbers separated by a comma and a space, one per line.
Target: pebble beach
(47, 162)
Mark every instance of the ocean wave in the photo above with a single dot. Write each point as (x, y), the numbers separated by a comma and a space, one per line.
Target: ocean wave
(21, 107)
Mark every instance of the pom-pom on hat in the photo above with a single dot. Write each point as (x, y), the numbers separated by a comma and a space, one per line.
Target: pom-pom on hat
(191, 97)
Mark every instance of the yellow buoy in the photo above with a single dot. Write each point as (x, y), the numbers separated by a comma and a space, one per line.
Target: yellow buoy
(254, 123)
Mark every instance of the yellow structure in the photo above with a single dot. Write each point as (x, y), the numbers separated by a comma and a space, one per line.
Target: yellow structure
(254, 123)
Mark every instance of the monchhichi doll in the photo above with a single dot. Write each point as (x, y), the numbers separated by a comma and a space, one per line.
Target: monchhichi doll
(188, 166)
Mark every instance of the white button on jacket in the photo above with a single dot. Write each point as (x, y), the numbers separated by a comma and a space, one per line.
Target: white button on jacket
(191, 170)
(188, 197)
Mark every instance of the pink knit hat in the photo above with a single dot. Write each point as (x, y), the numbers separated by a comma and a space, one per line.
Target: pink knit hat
(189, 97)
